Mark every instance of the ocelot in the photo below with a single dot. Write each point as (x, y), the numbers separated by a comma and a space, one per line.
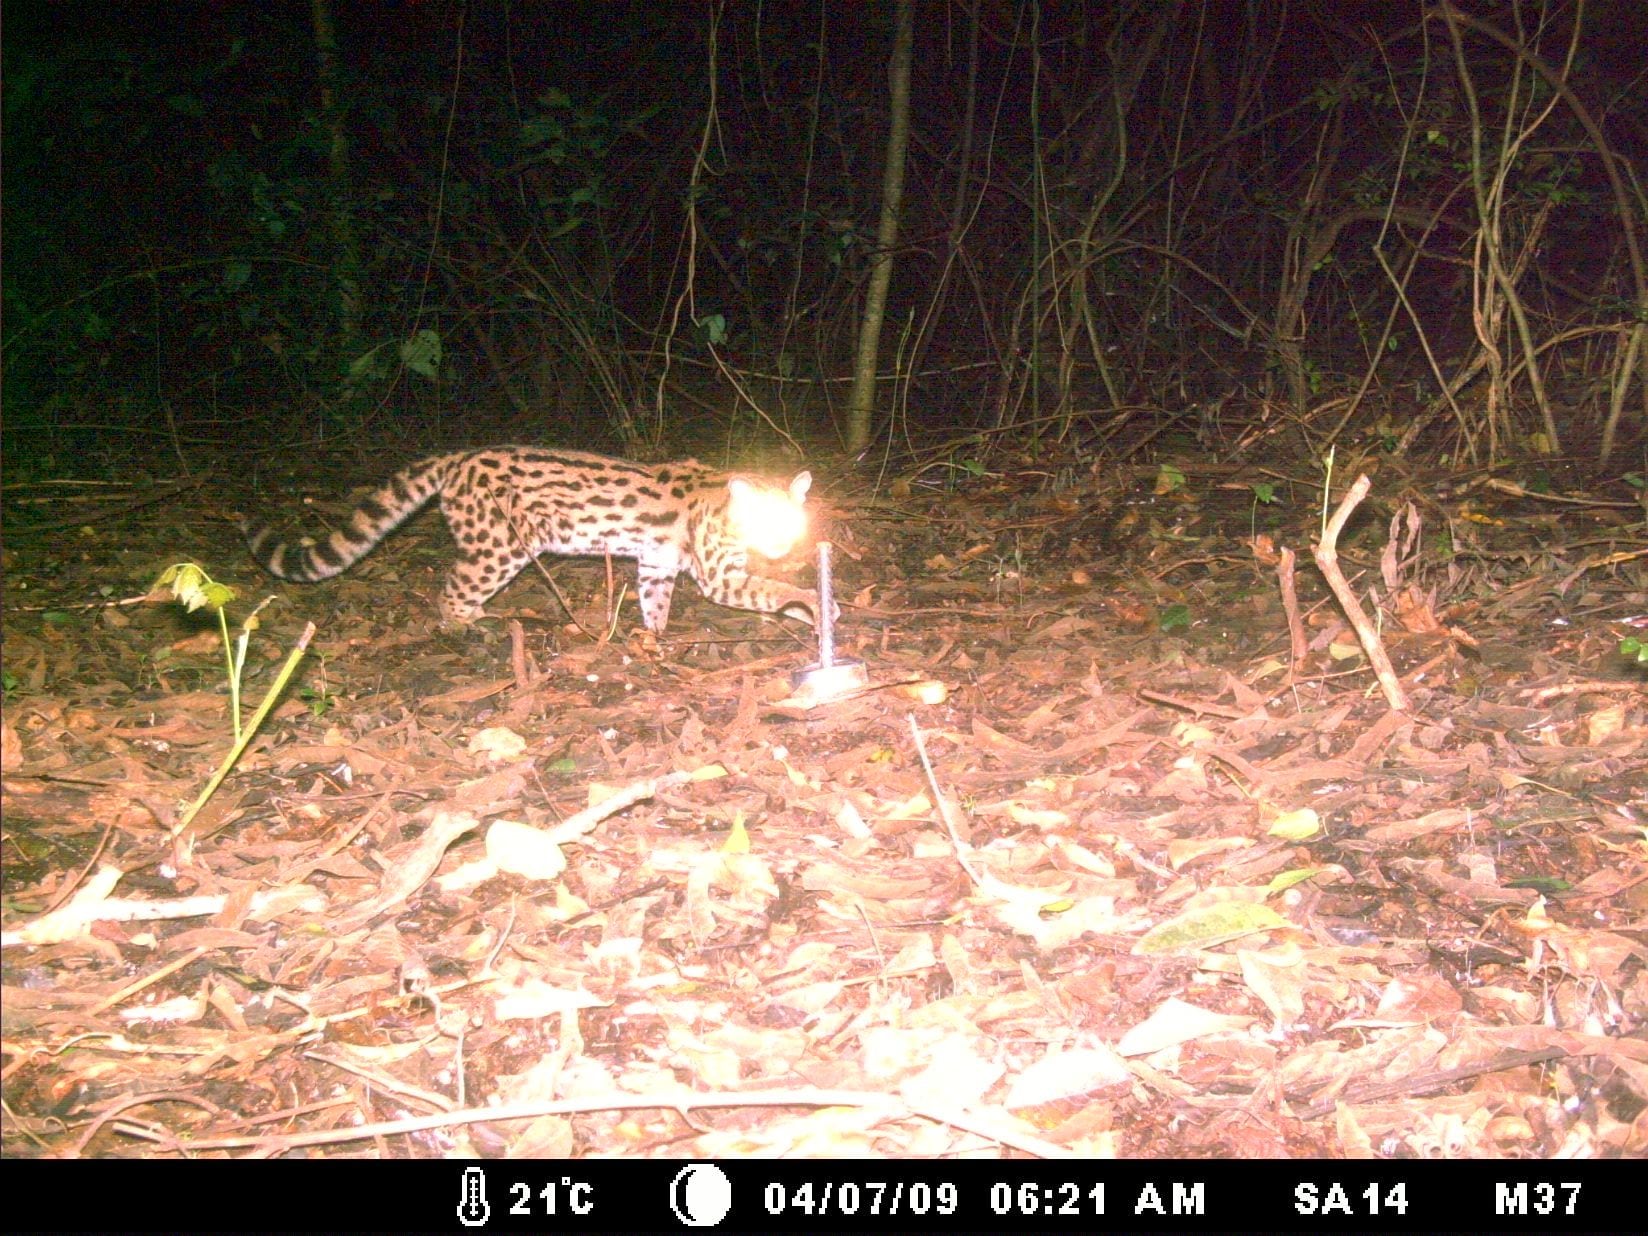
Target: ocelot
(506, 505)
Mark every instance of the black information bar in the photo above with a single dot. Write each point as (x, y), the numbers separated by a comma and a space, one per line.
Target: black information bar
(863, 1195)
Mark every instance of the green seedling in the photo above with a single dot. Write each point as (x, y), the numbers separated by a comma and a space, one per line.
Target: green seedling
(318, 699)
(196, 590)
(1264, 492)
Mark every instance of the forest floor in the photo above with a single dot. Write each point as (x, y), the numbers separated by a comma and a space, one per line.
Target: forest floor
(1098, 865)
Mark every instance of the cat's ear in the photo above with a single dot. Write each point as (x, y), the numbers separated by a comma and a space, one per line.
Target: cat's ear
(800, 485)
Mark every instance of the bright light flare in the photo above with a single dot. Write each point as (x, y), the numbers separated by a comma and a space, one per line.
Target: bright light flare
(770, 519)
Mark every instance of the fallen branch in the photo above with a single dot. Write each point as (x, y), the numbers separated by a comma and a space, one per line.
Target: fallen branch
(886, 1107)
(92, 904)
(1326, 554)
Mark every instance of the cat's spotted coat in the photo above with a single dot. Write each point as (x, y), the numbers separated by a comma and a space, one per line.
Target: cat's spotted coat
(506, 505)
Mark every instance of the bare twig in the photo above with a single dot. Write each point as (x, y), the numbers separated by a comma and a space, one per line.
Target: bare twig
(945, 811)
(1326, 554)
(888, 1106)
(1298, 645)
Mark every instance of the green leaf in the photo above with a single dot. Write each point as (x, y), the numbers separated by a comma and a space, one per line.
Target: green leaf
(714, 326)
(215, 596)
(1204, 928)
(194, 589)
(1549, 885)
(422, 353)
(1284, 880)
(1169, 479)
(1296, 825)
(1175, 617)
(318, 702)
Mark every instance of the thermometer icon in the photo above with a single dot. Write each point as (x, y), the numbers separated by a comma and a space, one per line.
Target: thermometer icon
(473, 1208)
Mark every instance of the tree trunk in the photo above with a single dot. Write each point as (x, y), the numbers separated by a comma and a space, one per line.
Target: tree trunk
(862, 400)
(346, 256)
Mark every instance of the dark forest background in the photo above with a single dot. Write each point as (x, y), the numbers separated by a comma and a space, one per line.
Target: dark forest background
(651, 227)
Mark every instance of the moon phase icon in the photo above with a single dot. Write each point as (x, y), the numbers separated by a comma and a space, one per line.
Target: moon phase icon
(700, 1195)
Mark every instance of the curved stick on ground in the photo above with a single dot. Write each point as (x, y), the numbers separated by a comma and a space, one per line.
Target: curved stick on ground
(1326, 554)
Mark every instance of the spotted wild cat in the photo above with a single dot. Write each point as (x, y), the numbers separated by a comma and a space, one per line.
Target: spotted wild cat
(506, 505)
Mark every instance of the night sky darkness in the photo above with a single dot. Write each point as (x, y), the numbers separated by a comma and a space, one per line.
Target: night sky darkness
(171, 208)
